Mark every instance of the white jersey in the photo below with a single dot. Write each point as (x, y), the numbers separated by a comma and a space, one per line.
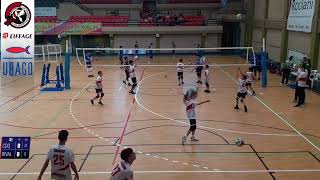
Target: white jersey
(60, 157)
(122, 171)
(302, 77)
(180, 67)
(206, 75)
(190, 109)
(99, 83)
(132, 71)
(250, 77)
(242, 86)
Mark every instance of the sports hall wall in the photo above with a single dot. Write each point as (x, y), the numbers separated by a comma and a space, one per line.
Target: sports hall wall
(270, 19)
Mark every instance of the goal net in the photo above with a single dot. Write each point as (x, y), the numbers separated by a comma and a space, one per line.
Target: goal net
(223, 56)
(47, 53)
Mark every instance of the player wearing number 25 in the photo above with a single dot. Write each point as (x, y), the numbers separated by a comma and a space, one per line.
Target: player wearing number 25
(61, 158)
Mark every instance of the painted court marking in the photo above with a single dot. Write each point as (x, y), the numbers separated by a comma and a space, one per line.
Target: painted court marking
(204, 127)
(179, 172)
(276, 114)
(112, 142)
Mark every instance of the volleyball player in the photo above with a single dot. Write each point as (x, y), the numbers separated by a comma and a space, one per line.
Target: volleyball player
(151, 51)
(242, 90)
(180, 67)
(120, 55)
(136, 47)
(191, 113)
(123, 171)
(206, 79)
(132, 76)
(99, 89)
(88, 61)
(199, 68)
(249, 80)
(62, 158)
(126, 67)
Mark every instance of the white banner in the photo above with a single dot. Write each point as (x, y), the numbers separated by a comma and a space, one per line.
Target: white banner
(46, 11)
(301, 15)
(17, 38)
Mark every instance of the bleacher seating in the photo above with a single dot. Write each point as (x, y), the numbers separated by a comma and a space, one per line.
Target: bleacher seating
(105, 20)
(46, 19)
(194, 20)
(105, 1)
(47, 3)
(192, 1)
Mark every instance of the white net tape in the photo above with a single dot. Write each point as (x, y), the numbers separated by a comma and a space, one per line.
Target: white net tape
(222, 56)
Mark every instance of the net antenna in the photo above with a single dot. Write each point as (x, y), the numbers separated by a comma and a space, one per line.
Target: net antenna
(218, 56)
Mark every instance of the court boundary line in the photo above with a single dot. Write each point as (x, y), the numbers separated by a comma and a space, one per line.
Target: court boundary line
(204, 127)
(276, 114)
(176, 172)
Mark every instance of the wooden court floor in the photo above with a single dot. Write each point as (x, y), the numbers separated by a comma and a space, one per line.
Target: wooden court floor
(281, 142)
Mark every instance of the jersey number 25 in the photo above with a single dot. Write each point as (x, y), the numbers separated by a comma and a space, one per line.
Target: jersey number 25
(58, 160)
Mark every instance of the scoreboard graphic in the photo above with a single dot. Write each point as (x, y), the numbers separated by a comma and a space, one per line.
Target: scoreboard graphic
(15, 147)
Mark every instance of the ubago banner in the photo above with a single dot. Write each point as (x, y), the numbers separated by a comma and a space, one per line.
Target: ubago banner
(17, 38)
(301, 15)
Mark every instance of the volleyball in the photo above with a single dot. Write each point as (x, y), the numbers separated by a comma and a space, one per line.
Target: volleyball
(203, 59)
(192, 93)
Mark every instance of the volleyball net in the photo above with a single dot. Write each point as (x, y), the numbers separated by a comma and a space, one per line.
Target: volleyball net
(222, 56)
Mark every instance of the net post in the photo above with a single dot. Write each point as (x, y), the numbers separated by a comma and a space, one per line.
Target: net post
(67, 67)
(247, 55)
(43, 54)
(264, 65)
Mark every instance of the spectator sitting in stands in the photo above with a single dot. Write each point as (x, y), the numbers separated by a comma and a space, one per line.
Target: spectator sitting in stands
(180, 19)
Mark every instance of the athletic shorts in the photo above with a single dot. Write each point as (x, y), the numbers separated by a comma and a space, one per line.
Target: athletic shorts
(242, 95)
(98, 91)
(248, 84)
(193, 122)
(180, 74)
(127, 73)
(259, 68)
(88, 65)
(134, 80)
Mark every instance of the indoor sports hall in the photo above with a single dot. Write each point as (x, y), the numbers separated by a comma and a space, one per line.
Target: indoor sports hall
(251, 82)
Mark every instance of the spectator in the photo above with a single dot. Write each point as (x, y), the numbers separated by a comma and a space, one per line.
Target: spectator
(286, 70)
(302, 77)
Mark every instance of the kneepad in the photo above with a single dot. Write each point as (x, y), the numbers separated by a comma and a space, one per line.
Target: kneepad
(193, 127)
(242, 100)
(102, 94)
(97, 96)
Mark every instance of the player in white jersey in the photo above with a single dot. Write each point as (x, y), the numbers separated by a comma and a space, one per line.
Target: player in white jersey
(62, 158)
(126, 67)
(206, 79)
(249, 80)
(180, 67)
(99, 89)
(191, 113)
(132, 76)
(123, 171)
(242, 90)
(88, 61)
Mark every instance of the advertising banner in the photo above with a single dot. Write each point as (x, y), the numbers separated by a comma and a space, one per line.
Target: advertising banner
(301, 15)
(17, 38)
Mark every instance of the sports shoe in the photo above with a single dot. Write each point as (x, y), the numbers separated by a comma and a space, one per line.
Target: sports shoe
(236, 107)
(281, 84)
(298, 105)
(245, 109)
(207, 91)
(193, 138)
(294, 101)
(183, 140)
(100, 103)
(92, 102)
(179, 84)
